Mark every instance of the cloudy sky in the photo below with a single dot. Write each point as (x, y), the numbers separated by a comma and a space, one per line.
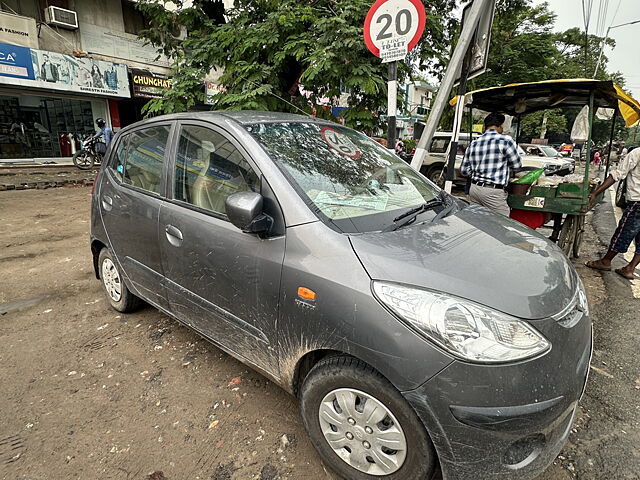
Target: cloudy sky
(626, 56)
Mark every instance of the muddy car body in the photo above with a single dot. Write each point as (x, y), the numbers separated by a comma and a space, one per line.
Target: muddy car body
(413, 327)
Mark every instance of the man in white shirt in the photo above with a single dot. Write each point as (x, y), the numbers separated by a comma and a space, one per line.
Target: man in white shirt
(628, 228)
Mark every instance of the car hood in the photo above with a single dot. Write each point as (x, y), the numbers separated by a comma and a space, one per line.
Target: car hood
(477, 255)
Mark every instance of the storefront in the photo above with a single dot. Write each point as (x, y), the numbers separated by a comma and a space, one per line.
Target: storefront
(49, 101)
(145, 85)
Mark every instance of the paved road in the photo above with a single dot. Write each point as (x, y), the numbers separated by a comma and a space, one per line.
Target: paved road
(88, 393)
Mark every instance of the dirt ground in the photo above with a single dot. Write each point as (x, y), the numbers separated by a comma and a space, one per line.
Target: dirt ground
(89, 393)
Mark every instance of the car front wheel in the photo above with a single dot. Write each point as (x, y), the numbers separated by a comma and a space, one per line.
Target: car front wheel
(361, 425)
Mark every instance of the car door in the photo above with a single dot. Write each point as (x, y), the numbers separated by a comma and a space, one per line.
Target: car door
(130, 199)
(220, 281)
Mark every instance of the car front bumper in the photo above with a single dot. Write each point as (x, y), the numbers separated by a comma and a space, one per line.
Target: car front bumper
(506, 421)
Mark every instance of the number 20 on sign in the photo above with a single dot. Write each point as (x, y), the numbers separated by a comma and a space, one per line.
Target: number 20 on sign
(393, 27)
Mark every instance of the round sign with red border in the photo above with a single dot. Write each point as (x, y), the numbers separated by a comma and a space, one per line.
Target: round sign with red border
(340, 142)
(393, 27)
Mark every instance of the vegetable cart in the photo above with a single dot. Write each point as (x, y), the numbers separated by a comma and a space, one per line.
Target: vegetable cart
(568, 203)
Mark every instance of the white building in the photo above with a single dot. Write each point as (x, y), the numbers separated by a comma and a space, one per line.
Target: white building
(418, 96)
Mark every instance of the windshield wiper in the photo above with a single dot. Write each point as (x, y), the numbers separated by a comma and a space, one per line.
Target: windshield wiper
(412, 213)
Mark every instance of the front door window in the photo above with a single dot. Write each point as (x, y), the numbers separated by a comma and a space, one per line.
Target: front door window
(209, 168)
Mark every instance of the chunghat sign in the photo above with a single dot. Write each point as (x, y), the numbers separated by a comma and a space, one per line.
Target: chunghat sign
(147, 84)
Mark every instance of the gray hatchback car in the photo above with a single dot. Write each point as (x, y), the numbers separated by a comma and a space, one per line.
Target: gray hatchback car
(415, 329)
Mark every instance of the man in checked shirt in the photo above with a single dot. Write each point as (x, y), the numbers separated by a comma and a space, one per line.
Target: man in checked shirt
(490, 161)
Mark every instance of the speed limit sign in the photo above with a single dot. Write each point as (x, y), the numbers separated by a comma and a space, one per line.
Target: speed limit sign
(393, 27)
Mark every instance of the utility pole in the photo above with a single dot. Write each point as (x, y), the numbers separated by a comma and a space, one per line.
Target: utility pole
(604, 40)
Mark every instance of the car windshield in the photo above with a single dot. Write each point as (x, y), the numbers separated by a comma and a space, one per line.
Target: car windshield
(350, 181)
(549, 151)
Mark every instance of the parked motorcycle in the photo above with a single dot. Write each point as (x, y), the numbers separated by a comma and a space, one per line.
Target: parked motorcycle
(89, 155)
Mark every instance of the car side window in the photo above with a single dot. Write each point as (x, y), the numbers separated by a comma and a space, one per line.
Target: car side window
(145, 157)
(209, 168)
(116, 163)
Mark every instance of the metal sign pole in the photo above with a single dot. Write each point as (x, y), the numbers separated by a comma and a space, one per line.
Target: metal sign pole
(449, 79)
(457, 123)
(613, 131)
(392, 99)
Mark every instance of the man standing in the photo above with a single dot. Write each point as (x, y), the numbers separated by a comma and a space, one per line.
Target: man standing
(489, 162)
(111, 78)
(629, 226)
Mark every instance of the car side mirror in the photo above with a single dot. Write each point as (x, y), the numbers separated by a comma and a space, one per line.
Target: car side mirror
(244, 210)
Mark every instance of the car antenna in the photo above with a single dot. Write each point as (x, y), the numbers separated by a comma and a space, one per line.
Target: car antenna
(278, 97)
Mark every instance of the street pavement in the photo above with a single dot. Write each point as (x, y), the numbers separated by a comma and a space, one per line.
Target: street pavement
(90, 393)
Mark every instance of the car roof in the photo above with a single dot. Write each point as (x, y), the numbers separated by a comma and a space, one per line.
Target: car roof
(240, 116)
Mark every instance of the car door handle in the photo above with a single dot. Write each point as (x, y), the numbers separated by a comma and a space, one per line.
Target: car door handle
(174, 236)
(107, 202)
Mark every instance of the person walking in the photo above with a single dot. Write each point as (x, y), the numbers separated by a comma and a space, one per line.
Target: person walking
(489, 162)
(628, 228)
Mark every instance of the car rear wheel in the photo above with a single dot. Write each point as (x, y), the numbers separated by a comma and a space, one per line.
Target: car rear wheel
(117, 292)
(361, 425)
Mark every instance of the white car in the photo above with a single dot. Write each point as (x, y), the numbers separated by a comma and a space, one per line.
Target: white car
(544, 156)
(535, 156)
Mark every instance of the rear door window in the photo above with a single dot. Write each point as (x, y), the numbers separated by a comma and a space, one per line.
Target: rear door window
(116, 163)
(145, 157)
(209, 168)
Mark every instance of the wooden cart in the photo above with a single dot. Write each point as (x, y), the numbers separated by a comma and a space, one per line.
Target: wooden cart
(567, 202)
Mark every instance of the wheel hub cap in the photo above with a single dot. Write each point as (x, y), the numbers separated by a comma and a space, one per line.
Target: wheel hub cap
(111, 280)
(362, 431)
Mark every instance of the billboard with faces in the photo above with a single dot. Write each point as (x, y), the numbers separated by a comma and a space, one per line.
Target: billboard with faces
(58, 71)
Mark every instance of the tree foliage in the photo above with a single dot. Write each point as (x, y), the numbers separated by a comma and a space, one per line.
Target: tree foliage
(532, 124)
(525, 48)
(267, 49)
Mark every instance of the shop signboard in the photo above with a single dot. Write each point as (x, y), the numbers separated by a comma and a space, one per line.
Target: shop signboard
(212, 90)
(15, 62)
(147, 84)
(116, 44)
(18, 30)
(57, 71)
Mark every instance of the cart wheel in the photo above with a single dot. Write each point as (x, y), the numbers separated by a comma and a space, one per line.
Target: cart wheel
(578, 238)
(567, 235)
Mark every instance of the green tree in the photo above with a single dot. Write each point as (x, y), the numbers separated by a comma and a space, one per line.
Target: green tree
(532, 124)
(573, 62)
(522, 44)
(525, 48)
(268, 48)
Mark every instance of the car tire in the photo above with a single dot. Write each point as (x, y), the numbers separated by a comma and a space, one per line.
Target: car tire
(119, 296)
(435, 174)
(334, 402)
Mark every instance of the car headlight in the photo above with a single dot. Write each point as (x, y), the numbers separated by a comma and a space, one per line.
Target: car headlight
(465, 329)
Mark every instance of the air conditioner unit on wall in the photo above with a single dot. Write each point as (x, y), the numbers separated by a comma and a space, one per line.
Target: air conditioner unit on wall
(61, 17)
